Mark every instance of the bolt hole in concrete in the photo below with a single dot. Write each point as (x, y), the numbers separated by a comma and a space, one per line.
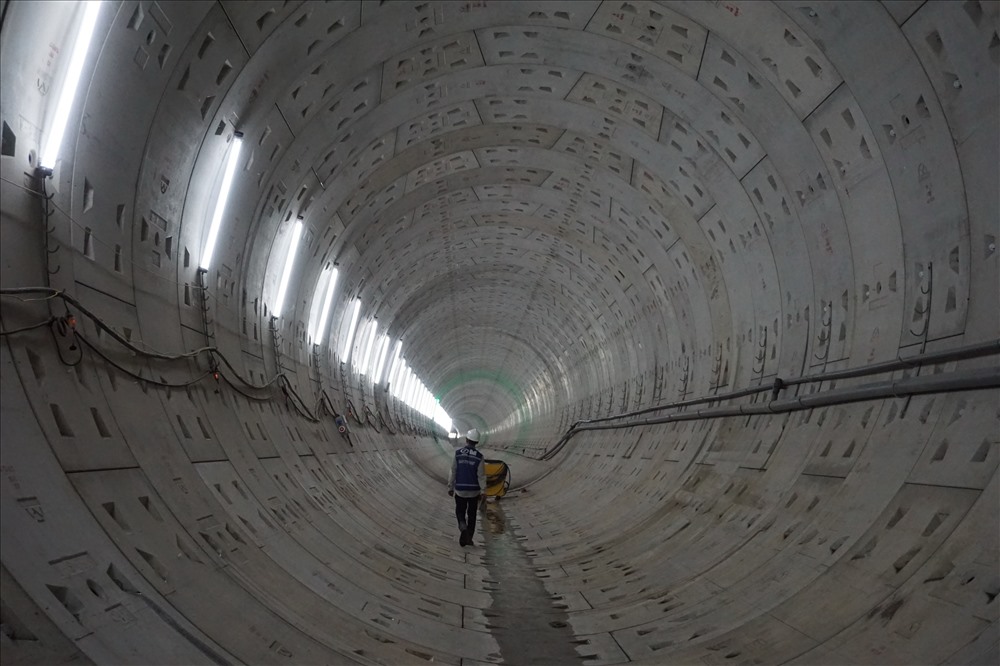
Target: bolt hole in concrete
(526, 625)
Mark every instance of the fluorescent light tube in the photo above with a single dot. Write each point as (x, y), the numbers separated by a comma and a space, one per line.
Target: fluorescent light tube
(407, 386)
(383, 353)
(320, 331)
(367, 356)
(393, 371)
(412, 393)
(401, 378)
(50, 151)
(319, 294)
(287, 273)
(394, 364)
(220, 202)
(376, 357)
(412, 390)
(348, 342)
(373, 357)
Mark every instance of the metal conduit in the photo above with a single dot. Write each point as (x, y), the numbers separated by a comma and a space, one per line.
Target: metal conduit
(965, 380)
(971, 380)
(978, 350)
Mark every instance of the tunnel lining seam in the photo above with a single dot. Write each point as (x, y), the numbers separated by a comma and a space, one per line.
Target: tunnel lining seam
(236, 32)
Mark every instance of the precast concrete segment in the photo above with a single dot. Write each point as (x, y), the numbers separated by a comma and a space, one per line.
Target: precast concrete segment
(566, 211)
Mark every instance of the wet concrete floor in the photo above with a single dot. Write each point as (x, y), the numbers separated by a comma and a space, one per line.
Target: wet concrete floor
(523, 619)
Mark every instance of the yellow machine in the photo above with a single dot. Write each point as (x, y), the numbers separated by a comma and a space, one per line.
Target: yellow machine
(497, 478)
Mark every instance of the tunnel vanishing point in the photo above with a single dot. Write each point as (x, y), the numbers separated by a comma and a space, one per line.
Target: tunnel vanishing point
(717, 280)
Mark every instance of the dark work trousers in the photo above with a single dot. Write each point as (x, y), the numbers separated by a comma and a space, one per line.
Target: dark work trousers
(465, 511)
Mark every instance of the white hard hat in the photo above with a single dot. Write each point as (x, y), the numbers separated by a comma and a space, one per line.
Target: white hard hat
(472, 435)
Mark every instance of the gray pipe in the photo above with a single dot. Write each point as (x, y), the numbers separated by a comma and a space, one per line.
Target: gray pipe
(969, 380)
(962, 380)
(977, 350)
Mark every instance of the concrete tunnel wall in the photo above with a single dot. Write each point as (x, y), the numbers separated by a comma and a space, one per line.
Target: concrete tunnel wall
(565, 210)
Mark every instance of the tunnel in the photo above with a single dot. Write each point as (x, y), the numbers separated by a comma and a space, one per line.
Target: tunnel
(717, 281)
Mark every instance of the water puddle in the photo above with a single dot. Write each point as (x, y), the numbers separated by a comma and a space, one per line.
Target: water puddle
(529, 630)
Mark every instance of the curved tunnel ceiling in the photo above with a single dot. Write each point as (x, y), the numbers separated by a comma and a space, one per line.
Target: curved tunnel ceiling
(564, 210)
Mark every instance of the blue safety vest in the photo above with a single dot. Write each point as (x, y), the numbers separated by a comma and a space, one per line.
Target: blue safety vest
(467, 469)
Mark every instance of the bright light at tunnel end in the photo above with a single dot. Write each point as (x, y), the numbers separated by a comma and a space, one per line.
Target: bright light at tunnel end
(50, 150)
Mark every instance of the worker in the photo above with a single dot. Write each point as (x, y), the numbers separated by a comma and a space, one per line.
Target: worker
(466, 483)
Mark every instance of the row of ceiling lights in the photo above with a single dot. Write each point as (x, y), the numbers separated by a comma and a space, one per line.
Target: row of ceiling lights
(402, 381)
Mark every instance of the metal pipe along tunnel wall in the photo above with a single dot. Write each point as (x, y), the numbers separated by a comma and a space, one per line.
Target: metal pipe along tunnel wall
(564, 211)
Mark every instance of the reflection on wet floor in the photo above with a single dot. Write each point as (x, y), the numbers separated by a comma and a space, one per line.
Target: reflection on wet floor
(496, 523)
(526, 625)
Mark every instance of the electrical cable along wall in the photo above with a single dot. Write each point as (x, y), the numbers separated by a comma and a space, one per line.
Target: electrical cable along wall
(740, 256)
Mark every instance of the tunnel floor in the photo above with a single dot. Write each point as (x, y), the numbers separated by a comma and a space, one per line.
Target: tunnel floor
(524, 618)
